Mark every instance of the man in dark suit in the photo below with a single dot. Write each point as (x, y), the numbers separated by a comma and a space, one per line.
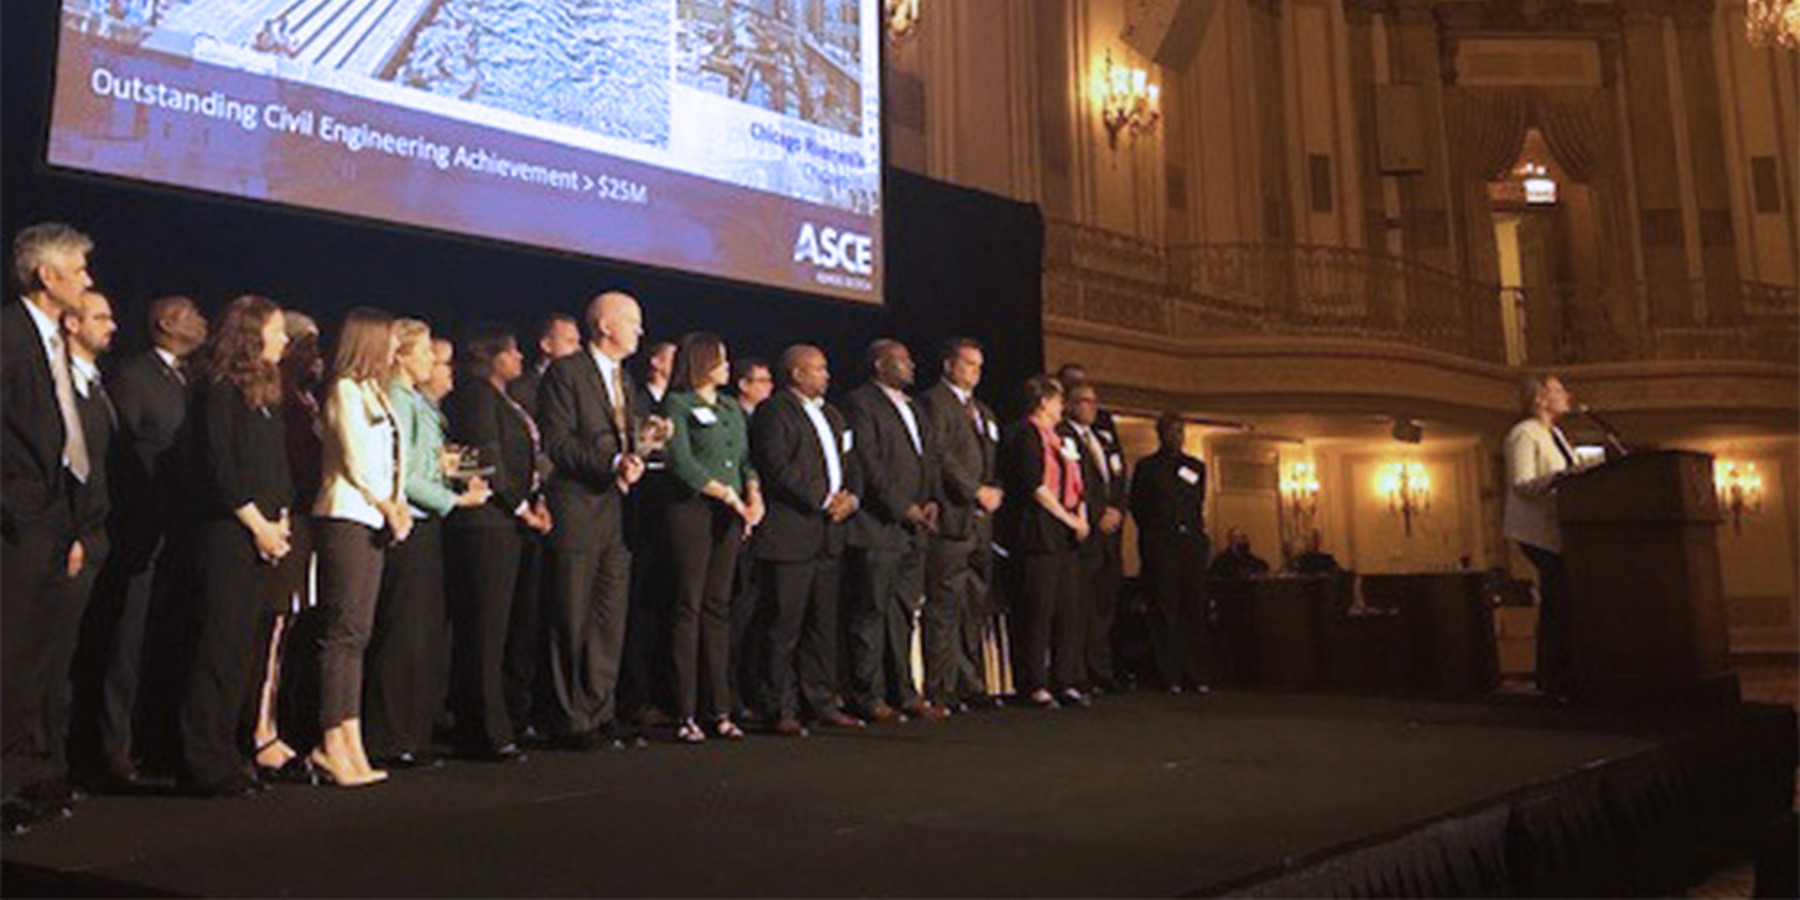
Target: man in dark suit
(959, 566)
(43, 454)
(755, 382)
(801, 445)
(528, 694)
(898, 458)
(89, 331)
(150, 393)
(558, 336)
(1074, 373)
(646, 677)
(590, 429)
(1168, 498)
(1101, 558)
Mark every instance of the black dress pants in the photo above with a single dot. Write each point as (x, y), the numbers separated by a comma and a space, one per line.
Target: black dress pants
(351, 557)
(951, 583)
(801, 600)
(404, 690)
(1047, 624)
(747, 627)
(703, 541)
(1175, 570)
(886, 588)
(1555, 664)
(588, 632)
(230, 645)
(485, 572)
(114, 632)
(1101, 575)
(33, 566)
(528, 695)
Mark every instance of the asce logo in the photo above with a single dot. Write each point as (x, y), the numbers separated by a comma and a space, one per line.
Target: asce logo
(829, 248)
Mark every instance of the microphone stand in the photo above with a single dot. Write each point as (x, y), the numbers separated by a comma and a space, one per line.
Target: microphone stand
(1615, 445)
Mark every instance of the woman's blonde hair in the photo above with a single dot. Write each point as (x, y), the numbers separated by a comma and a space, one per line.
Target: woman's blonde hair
(364, 348)
(410, 333)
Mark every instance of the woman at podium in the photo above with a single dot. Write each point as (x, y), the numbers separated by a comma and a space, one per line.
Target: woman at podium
(1537, 457)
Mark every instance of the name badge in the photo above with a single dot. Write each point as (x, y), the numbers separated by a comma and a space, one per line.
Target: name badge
(705, 416)
(993, 431)
(1069, 451)
(1188, 475)
(849, 441)
(1118, 464)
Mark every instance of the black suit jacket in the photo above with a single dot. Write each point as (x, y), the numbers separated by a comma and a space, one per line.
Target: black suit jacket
(795, 482)
(33, 487)
(1168, 495)
(524, 389)
(1023, 525)
(583, 442)
(965, 453)
(894, 475)
(152, 405)
(480, 417)
(99, 422)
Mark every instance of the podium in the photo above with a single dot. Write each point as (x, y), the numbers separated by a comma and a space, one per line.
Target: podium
(1640, 542)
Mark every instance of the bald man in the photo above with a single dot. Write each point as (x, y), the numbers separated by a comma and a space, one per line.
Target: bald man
(590, 427)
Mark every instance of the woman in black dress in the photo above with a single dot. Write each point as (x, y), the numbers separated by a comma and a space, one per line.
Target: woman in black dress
(240, 444)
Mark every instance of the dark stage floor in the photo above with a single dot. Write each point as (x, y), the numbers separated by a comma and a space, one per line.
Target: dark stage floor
(1142, 795)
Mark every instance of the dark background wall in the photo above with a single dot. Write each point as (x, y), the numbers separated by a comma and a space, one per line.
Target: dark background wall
(958, 261)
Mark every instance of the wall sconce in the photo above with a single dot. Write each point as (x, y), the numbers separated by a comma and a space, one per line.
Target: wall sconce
(1740, 489)
(1407, 487)
(1540, 188)
(1128, 101)
(901, 16)
(1300, 492)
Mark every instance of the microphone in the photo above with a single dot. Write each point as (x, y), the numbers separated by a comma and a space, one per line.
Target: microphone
(1613, 440)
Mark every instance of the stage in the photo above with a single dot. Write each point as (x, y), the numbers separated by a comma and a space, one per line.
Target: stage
(1141, 795)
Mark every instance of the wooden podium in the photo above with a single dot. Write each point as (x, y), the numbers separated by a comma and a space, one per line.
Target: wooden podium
(1641, 545)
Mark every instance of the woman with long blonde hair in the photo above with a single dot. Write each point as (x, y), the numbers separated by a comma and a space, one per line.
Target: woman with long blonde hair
(361, 510)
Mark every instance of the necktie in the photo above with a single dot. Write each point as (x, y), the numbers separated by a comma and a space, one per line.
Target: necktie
(615, 392)
(175, 370)
(1100, 460)
(75, 451)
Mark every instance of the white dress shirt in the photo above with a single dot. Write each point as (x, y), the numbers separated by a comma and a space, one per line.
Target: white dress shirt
(828, 442)
(901, 403)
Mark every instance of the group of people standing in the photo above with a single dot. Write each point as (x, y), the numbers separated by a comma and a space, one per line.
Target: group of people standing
(232, 546)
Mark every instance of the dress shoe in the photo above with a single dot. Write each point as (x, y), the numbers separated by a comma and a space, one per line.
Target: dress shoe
(1073, 697)
(1042, 699)
(883, 714)
(408, 759)
(921, 708)
(17, 818)
(790, 727)
(690, 733)
(237, 787)
(531, 735)
(837, 718)
(503, 754)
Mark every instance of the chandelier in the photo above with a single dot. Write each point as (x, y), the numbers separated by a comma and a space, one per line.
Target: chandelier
(901, 17)
(1773, 23)
(1128, 101)
(1407, 486)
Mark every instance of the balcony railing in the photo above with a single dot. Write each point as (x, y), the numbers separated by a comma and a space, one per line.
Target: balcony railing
(1209, 290)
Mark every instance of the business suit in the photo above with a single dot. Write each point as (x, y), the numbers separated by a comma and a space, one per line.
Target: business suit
(887, 553)
(1101, 559)
(36, 527)
(958, 568)
(528, 634)
(1168, 496)
(646, 670)
(92, 504)
(798, 548)
(590, 564)
(151, 399)
(486, 545)
(240, 455)
(1537, 455)
(1043, 586)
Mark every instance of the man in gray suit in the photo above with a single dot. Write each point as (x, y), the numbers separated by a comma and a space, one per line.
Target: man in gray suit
(958, 562)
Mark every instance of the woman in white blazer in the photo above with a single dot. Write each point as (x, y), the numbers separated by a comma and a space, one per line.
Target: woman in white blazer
(1537, 457)
(361, 508)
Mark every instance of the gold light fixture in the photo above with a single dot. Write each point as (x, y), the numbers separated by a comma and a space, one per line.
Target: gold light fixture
(1407, 486)
(1300, 491)
(1128, 101)
(1740, 489)
(901, 18)
(1773, 23)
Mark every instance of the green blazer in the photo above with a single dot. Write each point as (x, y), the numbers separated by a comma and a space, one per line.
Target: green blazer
(711, 441)
(422, 433)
